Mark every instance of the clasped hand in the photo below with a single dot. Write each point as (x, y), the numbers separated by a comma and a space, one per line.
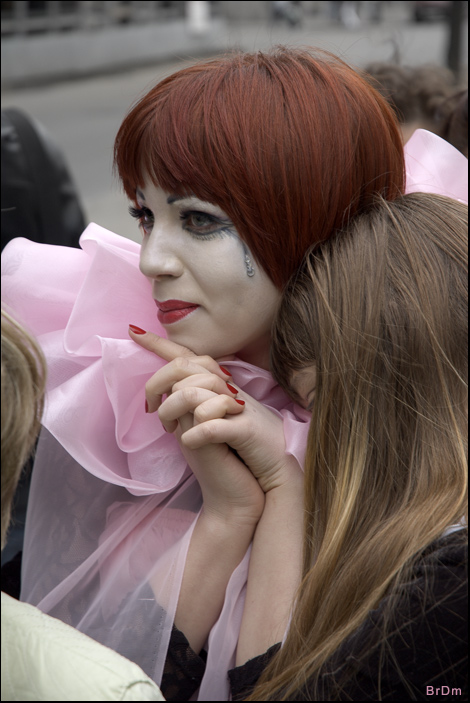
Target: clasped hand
(211, 417)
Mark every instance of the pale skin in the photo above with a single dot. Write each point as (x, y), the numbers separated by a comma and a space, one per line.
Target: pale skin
(192, 252)
(255, 501)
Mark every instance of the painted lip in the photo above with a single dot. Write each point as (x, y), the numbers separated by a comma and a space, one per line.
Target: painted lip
(170, 311)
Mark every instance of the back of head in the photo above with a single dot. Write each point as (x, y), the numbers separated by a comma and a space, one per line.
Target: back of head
(23, 385)
(393, 82)
(381, 310)
(455, 121)
(288, 143)
(418, 94)
(398, 269)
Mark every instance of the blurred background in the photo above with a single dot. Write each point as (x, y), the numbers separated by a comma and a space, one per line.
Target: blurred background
(77, 67)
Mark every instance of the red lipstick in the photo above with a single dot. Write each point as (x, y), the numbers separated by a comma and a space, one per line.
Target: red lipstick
(170, 311)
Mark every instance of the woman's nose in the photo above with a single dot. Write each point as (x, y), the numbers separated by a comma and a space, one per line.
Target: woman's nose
(159, 257)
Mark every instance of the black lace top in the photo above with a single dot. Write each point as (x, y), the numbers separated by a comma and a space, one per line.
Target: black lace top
(425, 657)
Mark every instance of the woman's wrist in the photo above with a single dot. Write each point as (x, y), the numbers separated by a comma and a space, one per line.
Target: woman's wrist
(217, 547)
(224, 520)
(286, 480)
(290, 486)
(232, 514)
(275, 570)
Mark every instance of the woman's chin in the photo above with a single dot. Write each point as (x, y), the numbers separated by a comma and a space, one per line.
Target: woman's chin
(198, 346)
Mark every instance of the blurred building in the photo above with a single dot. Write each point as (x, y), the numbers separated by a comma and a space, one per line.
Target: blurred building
(34, 17)
(49, 40)
(45, 41)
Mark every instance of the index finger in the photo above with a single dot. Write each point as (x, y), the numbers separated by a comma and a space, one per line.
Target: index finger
(160, 346)
(169, 351)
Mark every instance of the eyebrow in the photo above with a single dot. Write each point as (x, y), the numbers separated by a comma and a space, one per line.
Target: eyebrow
(174, 198)
(171, 198)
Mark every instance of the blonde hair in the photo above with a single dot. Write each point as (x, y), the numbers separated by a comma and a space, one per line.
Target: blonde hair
(23, 386)
(381, 310)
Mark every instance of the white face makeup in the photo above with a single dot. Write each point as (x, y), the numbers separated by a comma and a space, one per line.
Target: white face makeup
(211, 299)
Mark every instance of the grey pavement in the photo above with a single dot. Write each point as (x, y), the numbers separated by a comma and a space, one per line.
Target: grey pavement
(84, 115)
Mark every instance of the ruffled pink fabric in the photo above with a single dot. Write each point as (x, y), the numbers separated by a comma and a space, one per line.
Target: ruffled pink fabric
(113, 503)
(79, 303)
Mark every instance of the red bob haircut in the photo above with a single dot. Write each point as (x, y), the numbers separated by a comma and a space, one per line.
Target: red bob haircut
(289, 143)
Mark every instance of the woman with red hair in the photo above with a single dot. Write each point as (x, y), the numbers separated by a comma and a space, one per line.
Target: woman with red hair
(288, 144)
(235, 167)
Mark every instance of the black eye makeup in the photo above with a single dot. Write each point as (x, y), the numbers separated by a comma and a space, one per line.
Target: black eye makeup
(200, 225)
(204, 226)
(144, 216)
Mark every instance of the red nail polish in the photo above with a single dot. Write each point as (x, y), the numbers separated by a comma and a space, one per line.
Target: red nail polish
(146, 407)
(231, 388)
(225, 371)
(242, 402)
(137, 330)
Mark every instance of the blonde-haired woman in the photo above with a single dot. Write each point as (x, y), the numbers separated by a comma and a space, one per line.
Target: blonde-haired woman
(363, 595)
(44, 659)
(380, 354)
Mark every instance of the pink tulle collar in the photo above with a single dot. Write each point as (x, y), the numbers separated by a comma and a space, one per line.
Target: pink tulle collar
(79, 304)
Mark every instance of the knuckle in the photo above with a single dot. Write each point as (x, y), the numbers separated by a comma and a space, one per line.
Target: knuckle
(219, 385)
(190, 395)
(206, 360)
(207, 432)
(201, 414)
(212, 383)
(181, 363)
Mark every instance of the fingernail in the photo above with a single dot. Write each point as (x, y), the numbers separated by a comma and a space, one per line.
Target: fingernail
(137, 330)
(146, 407)
(231, 388)
(242, 402)
(225, 371)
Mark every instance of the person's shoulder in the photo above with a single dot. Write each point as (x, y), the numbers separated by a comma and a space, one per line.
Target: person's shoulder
(446, 557)
(416, 637)
(453, 541)
(437, 580)
(41, 654)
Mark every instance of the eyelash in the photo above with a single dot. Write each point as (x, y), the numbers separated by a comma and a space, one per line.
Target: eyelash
(142, 213)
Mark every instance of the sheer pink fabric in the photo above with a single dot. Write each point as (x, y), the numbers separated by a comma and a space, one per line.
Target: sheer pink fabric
(113, 504)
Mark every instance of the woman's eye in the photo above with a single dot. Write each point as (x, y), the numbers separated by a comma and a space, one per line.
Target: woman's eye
(201, 223)
(144, 217)
(198, 224)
